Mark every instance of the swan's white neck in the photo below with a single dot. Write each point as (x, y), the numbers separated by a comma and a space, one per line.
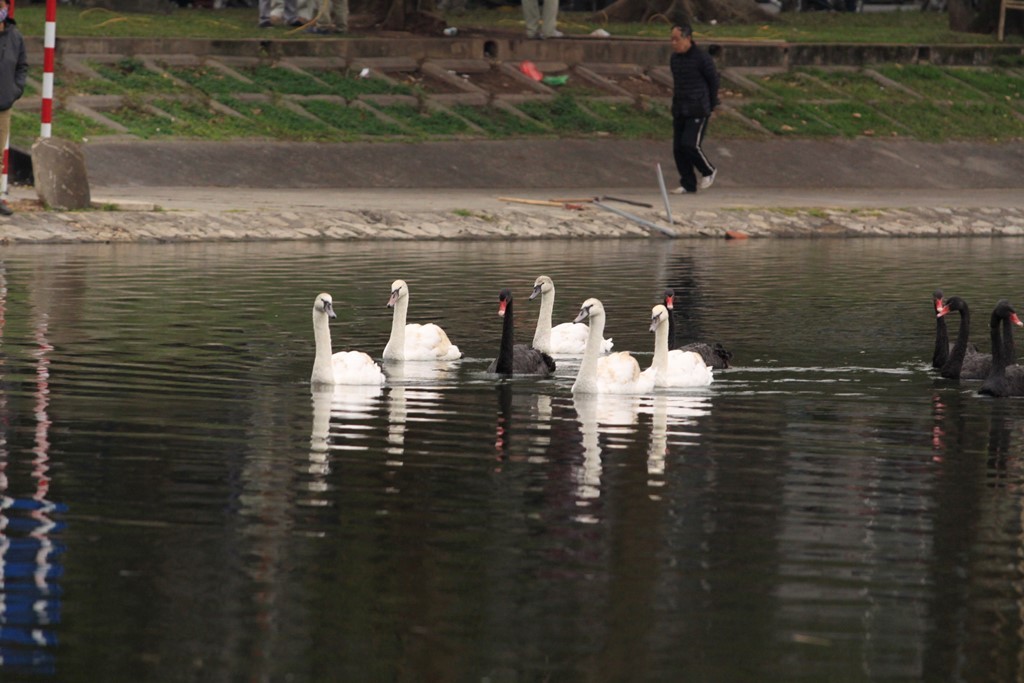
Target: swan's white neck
(395, 350)
(586, 378)
(542, 337)
(323, 369)
(660, 362)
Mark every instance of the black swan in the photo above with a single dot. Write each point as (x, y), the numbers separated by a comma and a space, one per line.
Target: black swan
(714, 356)
(517, 359)
(1006, 378)
(964, 361)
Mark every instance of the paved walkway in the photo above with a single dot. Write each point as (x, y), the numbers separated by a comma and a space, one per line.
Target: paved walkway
(188, 191)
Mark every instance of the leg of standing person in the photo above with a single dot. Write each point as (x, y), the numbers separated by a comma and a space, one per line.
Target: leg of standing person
(684, 139)
(5, 131)
(291, 13)
(531, 13)
(264, 8)
(703, 165)
(549, 27)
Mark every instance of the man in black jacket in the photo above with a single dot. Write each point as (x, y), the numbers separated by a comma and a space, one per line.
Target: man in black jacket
(694, 97)
(13, 69)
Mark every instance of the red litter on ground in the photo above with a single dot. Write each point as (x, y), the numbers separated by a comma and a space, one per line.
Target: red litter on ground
(531, 70)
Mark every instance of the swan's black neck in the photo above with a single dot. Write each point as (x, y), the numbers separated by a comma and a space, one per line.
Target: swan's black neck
(1009, 353)
(941, 353)
(997, 328)
(505, 354)
(956, 357)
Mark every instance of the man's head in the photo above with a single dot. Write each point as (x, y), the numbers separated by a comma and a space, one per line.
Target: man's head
(682, 37)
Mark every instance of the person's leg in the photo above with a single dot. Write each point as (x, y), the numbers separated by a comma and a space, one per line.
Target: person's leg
(549, 28)
(291, 13)
(340, 12)
(531, 13)
(683, 137)
(700, 160)
(264, 8)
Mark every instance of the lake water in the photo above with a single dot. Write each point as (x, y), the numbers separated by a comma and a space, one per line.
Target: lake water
(176, 504)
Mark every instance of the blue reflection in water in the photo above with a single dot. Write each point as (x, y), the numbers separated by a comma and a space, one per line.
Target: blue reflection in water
(29, 595)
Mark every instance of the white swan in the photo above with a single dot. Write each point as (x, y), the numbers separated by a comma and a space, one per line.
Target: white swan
(344, 367)
(617, 373)
(415, 341)
(674, 368)
(565, 339)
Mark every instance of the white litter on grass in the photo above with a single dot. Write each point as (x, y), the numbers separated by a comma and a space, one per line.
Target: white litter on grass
(600, 33)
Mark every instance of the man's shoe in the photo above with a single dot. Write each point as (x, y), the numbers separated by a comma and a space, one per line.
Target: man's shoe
(5, 209)
(708, 180)
(555, 34)
(680, 190)
(319, 30)
(266, 23)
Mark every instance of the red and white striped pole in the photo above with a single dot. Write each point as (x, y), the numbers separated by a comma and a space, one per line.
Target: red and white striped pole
(7, 142)
(49, 48)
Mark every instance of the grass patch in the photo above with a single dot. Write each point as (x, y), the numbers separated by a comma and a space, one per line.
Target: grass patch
(281, 80)
(728, 126)
(564, 115)
(498, 123)
(429, 122)
(141, 122)
(211, 81)
(68, 125)
(926, 80)
(795, 85)
(276, 121)
(1006, 86)
(788, 119)
(130, 75)
(353, 122)
(856, 85)
(631, 122)
(350, 86)
(853, 119)
(933, 122)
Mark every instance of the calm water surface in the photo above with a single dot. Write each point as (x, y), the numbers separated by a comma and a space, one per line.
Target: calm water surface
(176, 504)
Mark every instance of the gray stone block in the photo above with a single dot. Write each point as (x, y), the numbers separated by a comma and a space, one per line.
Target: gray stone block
(61, 180)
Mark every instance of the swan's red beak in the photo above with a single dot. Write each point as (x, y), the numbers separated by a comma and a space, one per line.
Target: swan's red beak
(501, 308)
(1015, 320)
(940, 310)
(668, 302)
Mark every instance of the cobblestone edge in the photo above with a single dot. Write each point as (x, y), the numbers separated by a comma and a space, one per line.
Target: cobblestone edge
(49, 227)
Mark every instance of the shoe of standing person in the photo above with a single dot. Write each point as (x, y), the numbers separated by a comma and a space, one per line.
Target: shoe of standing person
(680, 190)
(708, 180)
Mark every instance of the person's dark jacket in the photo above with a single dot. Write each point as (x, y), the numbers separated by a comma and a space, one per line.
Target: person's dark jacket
(695, 80)
(13, 65)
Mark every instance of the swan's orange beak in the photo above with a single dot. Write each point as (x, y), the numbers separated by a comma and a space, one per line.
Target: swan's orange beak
(940, 309)
(668, 302)
(1015, 320)
(501, 307)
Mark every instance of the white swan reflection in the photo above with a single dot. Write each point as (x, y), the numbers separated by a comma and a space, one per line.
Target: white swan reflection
(410, 382)
(349, 405)
(683, 410)
(599, 414)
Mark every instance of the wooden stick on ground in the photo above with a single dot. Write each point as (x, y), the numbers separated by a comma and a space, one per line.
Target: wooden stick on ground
(534, 202)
